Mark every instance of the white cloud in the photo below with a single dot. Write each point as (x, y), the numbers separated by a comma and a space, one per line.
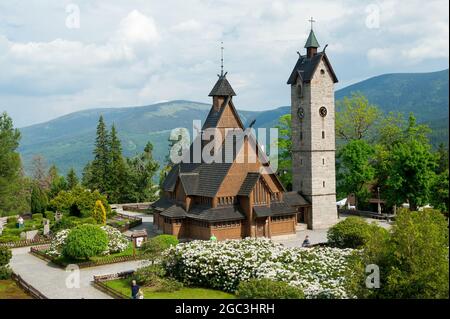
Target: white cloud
(137, 28)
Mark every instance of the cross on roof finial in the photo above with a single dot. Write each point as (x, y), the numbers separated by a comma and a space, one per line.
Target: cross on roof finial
(221, 66)
(312, 21)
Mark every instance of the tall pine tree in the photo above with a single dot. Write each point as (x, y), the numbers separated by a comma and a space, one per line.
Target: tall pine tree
(117, 177)
(99, 167)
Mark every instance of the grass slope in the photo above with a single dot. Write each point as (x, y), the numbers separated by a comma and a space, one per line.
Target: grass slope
(123, 287)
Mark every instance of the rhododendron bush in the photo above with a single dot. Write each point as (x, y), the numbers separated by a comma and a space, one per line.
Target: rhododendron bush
(321, 272)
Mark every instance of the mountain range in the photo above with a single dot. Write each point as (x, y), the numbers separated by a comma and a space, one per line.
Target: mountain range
(68, 141)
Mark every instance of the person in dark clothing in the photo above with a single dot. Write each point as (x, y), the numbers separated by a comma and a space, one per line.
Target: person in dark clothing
(134, 290)
(306, 242)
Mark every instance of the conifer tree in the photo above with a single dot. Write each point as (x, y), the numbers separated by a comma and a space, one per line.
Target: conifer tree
(117, 173)
(99, 213)
(100, 164)
(39, 200)
(72, 179)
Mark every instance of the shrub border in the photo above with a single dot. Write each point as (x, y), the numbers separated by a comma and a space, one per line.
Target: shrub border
(38, 252)
(100, 283)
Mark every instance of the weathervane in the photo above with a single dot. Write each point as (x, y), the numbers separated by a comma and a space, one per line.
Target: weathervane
(312, 21)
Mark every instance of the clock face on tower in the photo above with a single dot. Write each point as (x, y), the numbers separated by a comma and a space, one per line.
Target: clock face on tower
(323, 111)
(301, 113)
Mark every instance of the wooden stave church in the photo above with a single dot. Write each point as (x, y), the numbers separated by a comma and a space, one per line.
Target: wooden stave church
(228, 200)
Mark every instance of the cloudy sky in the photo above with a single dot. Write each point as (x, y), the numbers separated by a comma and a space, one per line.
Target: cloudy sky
(59, 56)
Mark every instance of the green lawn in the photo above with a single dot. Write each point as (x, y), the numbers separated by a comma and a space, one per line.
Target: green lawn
(123, 286)
(10, 290)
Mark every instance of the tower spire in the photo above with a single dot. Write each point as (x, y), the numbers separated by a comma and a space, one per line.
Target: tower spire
(311, 44)
(221, 60)
(312, 21)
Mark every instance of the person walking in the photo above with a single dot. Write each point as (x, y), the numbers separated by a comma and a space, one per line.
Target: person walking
(134, 290)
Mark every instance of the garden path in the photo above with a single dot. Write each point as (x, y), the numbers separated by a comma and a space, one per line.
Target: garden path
(50, 280)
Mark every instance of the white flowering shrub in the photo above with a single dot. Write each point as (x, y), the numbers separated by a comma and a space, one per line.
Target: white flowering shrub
(118, 242)
(58, 242)
(320, 272)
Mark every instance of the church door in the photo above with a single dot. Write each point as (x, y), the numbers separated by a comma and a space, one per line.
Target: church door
(260, 227)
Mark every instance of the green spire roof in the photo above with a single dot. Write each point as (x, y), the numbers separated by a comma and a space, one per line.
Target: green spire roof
(312, 41)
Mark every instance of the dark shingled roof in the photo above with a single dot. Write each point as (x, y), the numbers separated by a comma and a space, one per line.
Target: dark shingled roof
(281, 208)
(222, 87)
(174, 211)
(216, 214)
(189, 182)
(162, 204)
(295, 199)
(306, 67)
(262, 211)
(171, 179)
(275, 209)
(248, 184)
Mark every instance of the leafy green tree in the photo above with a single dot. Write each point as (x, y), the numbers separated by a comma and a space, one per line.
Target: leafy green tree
(356, 118)
(72, 179)
(439, 197)
(409, 174)
(352, 232)
(405, 163)
(355, 170)
(285, 150)
(413, 260)
(14, 188)
(142, 170)
(85, 241)
(39, 200)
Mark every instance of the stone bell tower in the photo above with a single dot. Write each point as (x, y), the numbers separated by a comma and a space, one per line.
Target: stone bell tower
(313, 134)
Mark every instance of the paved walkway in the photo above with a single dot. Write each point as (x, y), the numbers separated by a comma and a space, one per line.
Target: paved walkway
(51, 280)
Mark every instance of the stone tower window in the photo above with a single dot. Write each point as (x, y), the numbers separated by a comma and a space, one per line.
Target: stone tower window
(322, 71)
(323, 183)
(323, 161)
(323, 134)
